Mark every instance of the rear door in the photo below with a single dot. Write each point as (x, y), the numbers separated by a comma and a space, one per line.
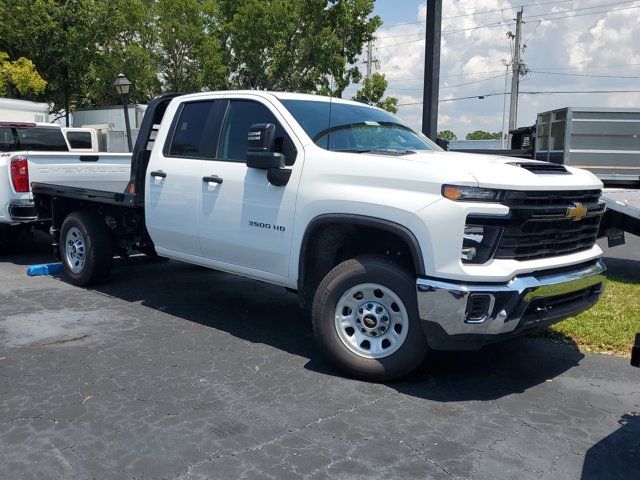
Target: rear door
(245, 223)
(173, 193)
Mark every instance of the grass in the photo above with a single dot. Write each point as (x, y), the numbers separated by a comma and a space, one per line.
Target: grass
(610, 326)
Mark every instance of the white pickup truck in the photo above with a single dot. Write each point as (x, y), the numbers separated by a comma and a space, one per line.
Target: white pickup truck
(398, 246)
(36, 152)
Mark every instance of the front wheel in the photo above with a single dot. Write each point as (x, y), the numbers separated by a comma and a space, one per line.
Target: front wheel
(365, 318)
(85, 248)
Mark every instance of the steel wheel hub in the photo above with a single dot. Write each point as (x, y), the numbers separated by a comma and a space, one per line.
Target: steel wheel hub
(75, 250)
(371, 320)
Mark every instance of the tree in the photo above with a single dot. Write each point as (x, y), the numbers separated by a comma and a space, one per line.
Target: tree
(304, 46)
(482, 135)
(373, 89)
(20, 74)
(79, 46)
(447, 135)
(189, 58)
(125, 45)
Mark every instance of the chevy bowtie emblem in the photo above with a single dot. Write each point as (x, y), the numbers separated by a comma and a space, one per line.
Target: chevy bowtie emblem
(576, 212)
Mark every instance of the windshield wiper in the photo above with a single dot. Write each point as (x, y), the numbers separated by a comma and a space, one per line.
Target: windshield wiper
(380, 151)
(392, 151)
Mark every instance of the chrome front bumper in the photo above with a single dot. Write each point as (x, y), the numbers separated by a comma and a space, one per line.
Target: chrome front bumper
(524, 302)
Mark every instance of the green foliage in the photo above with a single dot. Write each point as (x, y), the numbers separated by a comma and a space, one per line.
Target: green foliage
(79, 46)
(304, 46)
(447, 135)
(482, 135)
(188, 55)
(20, 74)
(373, 89)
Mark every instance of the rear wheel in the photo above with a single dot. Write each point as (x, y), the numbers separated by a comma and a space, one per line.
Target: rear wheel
(365, 318)
(85, 248)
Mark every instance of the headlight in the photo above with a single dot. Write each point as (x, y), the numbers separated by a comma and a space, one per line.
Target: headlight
(473, 194)
(479, 243)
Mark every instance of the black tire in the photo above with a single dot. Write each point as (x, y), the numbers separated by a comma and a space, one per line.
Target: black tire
(348, 274)
(98, 250)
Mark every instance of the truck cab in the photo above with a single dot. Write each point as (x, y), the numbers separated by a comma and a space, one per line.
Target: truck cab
(81, 139)
(396, 246)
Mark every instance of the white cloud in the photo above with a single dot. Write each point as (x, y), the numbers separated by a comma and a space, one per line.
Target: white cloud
(582, 42)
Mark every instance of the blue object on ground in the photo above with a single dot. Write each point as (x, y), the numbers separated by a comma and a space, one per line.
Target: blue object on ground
(46, 269)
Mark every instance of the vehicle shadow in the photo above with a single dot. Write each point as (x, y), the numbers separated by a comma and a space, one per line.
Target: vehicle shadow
(249, 310)
(32, 248)
(263, 313)
(617, 455)
(623, 269)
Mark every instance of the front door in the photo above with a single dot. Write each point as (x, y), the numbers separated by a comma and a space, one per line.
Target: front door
(245, 223)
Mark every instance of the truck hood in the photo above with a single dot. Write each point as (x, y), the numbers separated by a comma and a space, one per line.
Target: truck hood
(494, 171)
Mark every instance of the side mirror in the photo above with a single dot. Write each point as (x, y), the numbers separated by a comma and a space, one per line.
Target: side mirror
(260, 146)
(442, 143)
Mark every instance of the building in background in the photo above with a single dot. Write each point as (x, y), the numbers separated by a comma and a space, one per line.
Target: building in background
(12, 110)
(109, 123)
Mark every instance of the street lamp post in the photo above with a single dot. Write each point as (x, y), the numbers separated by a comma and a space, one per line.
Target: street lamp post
(122, 85)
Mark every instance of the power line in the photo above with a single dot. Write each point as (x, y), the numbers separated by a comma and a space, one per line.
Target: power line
(454, 86)
(544, 71)
(583, 74)
(507, 23)
(541, 92)
(592, 66)
(480, 12)
(448, 32)
(583, 14)
(513, 8)
(508, 8)
(499, 23)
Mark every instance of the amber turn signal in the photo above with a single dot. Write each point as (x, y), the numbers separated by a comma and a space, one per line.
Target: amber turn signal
(451, 192)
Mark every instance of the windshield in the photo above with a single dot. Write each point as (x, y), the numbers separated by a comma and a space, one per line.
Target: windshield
(13, 139)
(355, 128)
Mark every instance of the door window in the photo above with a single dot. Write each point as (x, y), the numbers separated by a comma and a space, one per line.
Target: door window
(79, 139)
(241, 114)
(195, 133)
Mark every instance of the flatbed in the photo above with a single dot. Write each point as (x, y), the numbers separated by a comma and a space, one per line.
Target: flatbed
(623, 209)
(102, 192)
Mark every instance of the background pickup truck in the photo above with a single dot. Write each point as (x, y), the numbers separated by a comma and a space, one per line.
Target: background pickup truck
(397, 246)
(32, 152)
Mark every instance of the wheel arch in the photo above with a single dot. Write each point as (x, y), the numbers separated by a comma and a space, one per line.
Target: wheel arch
(350, 223)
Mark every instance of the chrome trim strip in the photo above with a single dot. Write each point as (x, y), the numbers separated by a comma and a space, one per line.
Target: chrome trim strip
(445, 302)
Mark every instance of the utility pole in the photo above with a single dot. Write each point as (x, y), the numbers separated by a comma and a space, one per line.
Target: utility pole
(516, 66)
(432, 69)
(369, 57)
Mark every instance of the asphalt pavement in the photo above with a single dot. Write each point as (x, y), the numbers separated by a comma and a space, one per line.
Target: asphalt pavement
(175, 371)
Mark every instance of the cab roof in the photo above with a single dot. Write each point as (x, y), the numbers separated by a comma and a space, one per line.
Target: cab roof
(279, 95)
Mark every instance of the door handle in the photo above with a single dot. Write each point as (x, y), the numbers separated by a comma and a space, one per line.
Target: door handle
(158, 174)
(212, 179)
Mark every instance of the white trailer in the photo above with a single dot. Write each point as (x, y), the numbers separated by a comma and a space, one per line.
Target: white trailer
(23, 111)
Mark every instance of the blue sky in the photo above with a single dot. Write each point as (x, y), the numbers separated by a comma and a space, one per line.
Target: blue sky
(571, 45)
(397, 11)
